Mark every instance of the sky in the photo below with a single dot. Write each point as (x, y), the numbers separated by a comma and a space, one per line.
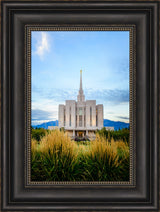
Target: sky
(56, 60)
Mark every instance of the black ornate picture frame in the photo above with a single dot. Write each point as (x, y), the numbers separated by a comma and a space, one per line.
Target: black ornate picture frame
(18, 19)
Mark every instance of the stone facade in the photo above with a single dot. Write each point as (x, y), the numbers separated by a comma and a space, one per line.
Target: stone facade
(80, 118)
(110, 128)
(53, 127)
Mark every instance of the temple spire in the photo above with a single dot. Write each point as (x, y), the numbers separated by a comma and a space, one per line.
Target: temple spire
(80, 97)
(80, 81)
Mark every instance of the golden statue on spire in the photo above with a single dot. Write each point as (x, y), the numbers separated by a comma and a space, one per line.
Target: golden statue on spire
(81, 71)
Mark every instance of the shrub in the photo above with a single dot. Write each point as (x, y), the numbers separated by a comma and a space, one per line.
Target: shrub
(38, 133)
(122, 134)
(103, 163)
(57, 158)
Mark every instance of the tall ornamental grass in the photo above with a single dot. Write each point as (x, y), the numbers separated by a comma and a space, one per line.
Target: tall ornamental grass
(57, 158)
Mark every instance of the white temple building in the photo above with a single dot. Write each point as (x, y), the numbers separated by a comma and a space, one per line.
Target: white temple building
(82, 117)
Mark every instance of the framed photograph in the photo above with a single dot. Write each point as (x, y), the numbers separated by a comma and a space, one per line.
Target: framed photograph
(80, 105)
(76, 142)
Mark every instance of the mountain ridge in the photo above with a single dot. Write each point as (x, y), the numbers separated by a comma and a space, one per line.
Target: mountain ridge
(106, 122)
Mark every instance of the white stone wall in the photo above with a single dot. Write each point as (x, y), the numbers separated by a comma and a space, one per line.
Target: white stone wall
(72, 106)
(90, 104)
(87, 114)
(94, 114)
(110, 128)
(80, 105)
(61, 116)
(100, 115)
(91, 135)
(69, 133)
(70, 110)
(73, 114)
(53, 127)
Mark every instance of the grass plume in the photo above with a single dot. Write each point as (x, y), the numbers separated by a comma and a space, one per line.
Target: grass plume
(57, 158)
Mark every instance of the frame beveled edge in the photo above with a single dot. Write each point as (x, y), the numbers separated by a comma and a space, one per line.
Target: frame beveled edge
(155, 121)
(132, 97)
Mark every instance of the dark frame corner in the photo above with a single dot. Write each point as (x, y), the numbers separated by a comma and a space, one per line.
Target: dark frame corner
(16, 15)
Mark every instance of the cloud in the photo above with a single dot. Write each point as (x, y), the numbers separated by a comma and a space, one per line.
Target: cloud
(109, 96)
(56, 95)
(115, 96)
(46, 105)
(42, 45)
(38, 115)
(123, 117)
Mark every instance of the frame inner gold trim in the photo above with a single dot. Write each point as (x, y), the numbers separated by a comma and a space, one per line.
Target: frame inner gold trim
(132, 100)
